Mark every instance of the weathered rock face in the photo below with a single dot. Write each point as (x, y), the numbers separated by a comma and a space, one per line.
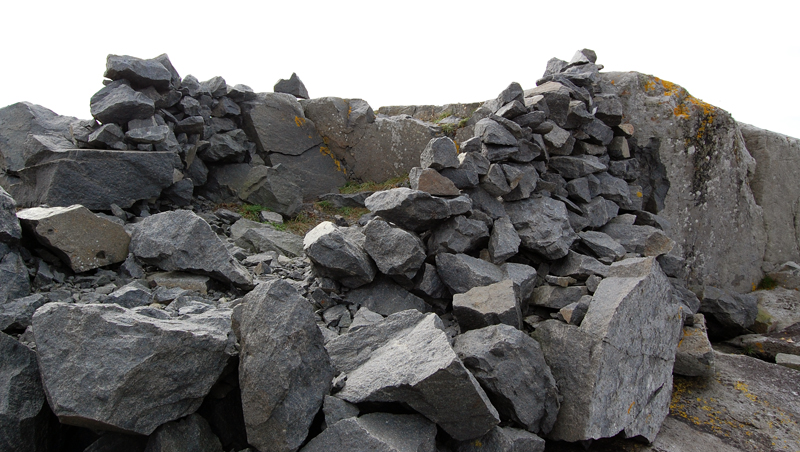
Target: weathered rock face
(14, 279)
(626, 340)
(542, 225)
(727, 314)
(339, 253)
(410, 209)
(396, 252)
(94, 179)
(272, 187)
(277, 124)
(284, 370)
(181, 240)
(695, 357)
(697, 171)
(776, 191)
(10, 230)
(192, 433)
(407, 358)
(493, 304)
(82, 239)
(378, 432)
(23, 414)
(107, 367)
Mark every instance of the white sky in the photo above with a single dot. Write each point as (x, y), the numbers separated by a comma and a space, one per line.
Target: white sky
(740, 58)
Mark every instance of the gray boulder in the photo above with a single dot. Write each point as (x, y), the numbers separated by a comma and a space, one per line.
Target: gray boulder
(81, 239)
(407, 358)
(338, 253)
(95, 179)
(694, 357)
(131, 295)
(16, 314)
(395, 251)
(555, 297)
(293, 86)
(275, 122)
(280, 343)
(385, 297)
(572, 167)
(459, 234)
(181, 240)
(14, 279)
(272, 187)
(225, 147)
(428, 283)
(118, 103)
(579, 266)
(727, 314)
(602, 245)
(645, 240)
(410, 209)
(494, 304)
(23, 413)
(138, 71)
(599, 211)
(439, 153)
(461, 272)
(512, 370)
(543, 225)
(377, 432)
(431, 181)
(108, 136)
(260, 240)
(10, 230)
(191, 433)
(504, 439)
(627, 340)
(316, 171)
(93, 380)
(336, 409)
(504, 241)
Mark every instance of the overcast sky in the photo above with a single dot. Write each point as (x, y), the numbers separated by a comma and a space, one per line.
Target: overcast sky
(742, 59)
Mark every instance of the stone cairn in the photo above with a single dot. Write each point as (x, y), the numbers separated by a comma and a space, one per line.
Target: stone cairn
(517, 290)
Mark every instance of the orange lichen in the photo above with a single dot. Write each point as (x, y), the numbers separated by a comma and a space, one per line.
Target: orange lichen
(631, 407)
(299, 121)
(324, 150)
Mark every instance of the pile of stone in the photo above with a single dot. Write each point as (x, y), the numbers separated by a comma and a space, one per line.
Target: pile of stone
(520, 290)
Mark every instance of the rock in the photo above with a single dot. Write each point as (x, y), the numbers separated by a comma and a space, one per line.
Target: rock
(556, 96)
(579, 266)
(542, 225)
(113, 441)
(598, 133)
(491, 132)
(727, 314)
(407, 358)
(272, 187)
(261, 240)
(461, 272)
(280, 342)
(511, 368)
(20, 122)
(95, 179)
(336, 409)
(24, 415)
(599, 211)
(521, 180)
(186, 281)
(504, 241)
(277, 124)
(494, 304)
(410, 209)
(602, 245)
(554, 297)
(108, 136)
(504, 439)
(316, 172)
(459, 234)
(139, 72)
(338, 253)
(225, 147)
(119, 103)
(10, 230)
(768, 346)
(131, 295)
(572, 167)
(293, 86)
(16, 314)
(181, 240)
(346, 200)
(694, 357)
(790, 361)
(379, 432)
(80, 238)
(395, 251)
(428, 283)
(778, 309)
(430, 181)
(626, 340)
(192, 433)
(524, 276)
(645, 240)
(494, 181)
(439, 153)
(512, 110)
(93, 380)
(385, 297)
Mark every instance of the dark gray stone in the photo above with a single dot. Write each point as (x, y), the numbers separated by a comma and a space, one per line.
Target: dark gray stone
(598, 132)
(577, 115)
(181, 240)
(272, 187)
(16, 314)
(521, 179)
(524, 276)
(275, 122)
(556, 96)
(512, 370)
(602, 245)
(191, 433)
(555, 297)
(459, 234)
(10, 230)
(461, 272)
(410, 209)
(493, 304)
(727, 314)
(407, 358)
(228, 147)
(609, 109)
(578, 190)
(108, 136)
(293, 86)
(139, 72)
(491, 132)
(131, 295)
(428, 282)
(385, 297)
(338, 253)
(316, 173)
(377, 432)
(645, 240)
(542, 225)
(579, 266)
(119, 103)
(512, 109)
(93, 379)
(280, 343)
(494, 182)
(504, 439)
(572, 167)
(498, 153)
(504, 241)
(395, 251)
(226, 107)
(214, 87)
(440, 153)
(431, 181)
(261, 240)
(23, 413)
(599, 211)
(336, 409)
(118, 442)
(486, 203)
(180, 193)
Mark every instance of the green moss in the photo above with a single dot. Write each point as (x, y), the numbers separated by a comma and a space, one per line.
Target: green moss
(767, 283)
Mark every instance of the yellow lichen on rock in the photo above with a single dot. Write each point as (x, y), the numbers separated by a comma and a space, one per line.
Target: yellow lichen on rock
(300, 122)
(325, 150)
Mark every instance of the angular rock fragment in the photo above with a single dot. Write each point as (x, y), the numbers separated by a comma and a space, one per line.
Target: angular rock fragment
(572, 167)
(494, 304)
(645, 240)
(626, 340)
(119, 103)
(138, 71)
(293, 86)
(192, 433)
(431, 181)
(80, 238)
(440, 153)
(281, 344)
(461, 272)
(385, 298)
(395, 251)
(10, 230)
(504, 241)
(694, 357)
(131, 295)
(504, 439)
(459, 234)
(410, 209)
(492, 133)
(726, 314)
(16, 314)
(378, 432)
(261, 240)
(542, 225)
(554, 297)
(336, 409)
(23, 413)
(407, 358)
(605, 248)
(338, 253)
(14, 279)
(272, 187)
(94, 380)
(512, 370)
(181, 240)
(275, 122)
(428, 283)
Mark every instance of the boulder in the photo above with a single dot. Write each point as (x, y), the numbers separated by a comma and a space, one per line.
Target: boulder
(14, 279)
(461, 272)
(602, 245)
(10, 230)
(778, 309)
(131, 295)
(494, 304)
(573, 167)
(727, 314)
(579, 266)
(385, 297)
(275, 122)
(95, 179)
(260, 240)
(395, 251)
(81, 239)
(180, 240)
(280, 343)
(23, 120)
(272, 187)
(293, 86)
(316, 171)
(94, 379)
(431, 181)
(16, 314)
(504, 439)
(504, 241)
(407, 358)
(645, 240)
(118, 103)
(24, 415)
(627, 340)
(694, 357)
(459, 234)
(336, 409)
(512, 370)
(410, 209)
(377, 432)
(555, 297)
(191, 433)
(439, 153)
(225, 147)
(139, 72)
(338, 253)
(543, 226)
